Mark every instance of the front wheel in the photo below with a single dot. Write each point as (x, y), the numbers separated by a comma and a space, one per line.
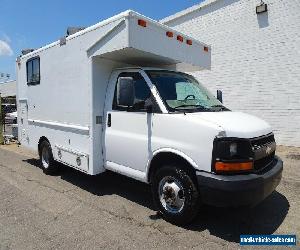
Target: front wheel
(175, 194)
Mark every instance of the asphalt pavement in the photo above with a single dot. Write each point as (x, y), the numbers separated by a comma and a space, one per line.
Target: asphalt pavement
(74, 211)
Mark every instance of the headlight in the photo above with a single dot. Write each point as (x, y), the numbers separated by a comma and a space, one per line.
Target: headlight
(233, 149)
(232, 155)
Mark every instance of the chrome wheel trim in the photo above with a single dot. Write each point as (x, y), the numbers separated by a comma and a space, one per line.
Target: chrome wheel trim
(171, 194)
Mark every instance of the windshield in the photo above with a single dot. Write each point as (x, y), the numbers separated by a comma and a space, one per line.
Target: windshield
(180, 91)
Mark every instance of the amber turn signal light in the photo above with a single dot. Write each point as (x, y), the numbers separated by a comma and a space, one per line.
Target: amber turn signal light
(233, 166)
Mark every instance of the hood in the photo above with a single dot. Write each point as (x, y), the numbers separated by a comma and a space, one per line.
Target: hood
(236, 124)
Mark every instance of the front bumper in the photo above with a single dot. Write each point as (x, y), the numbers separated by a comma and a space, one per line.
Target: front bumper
(239, 190)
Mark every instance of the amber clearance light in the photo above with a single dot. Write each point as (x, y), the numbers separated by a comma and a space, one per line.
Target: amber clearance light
(233, 166)
(169, 34)
(142, 23)
(189, 42)
(180, 38)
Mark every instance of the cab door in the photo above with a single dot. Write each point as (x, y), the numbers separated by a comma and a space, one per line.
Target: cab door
(128, 129)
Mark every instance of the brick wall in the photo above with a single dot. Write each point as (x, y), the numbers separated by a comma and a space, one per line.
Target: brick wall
(255, 59)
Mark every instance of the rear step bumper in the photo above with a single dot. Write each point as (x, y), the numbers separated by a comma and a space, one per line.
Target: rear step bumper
(239, 190)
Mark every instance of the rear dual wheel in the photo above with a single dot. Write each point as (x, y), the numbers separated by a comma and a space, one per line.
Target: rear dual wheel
(47, 161)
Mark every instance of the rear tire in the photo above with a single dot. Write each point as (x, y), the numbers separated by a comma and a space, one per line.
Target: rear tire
(175, 194)
(46, 158)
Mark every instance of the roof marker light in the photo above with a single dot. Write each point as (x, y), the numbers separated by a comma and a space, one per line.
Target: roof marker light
(180, 38)
(142, 23)
(205, 48)
(189, 42)
(169, 34)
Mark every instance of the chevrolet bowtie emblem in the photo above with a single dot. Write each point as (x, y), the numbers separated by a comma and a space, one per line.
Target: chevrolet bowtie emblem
(268, 150)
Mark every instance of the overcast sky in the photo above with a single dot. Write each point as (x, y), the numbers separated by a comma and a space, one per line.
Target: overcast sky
(35, 23)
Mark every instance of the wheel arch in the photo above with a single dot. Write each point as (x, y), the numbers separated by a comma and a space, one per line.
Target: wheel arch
(162, 156)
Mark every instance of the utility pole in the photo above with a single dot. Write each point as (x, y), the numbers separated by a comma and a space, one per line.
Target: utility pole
(1, 122)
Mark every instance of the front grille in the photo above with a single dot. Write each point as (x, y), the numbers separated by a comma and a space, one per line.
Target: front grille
(262, 140)
(260, 146)
(264, 162)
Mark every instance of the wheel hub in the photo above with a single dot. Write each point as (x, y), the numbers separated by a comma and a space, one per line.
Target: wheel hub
(171, 194)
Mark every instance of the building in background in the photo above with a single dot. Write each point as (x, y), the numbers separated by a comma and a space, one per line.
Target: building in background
(8, 110)
(8, 99)
(8, 89)
(255, 57)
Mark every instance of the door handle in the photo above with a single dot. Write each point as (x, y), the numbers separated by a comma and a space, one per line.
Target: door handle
(109, 120)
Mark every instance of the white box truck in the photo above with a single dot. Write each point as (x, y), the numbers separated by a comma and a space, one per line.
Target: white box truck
(111, 97)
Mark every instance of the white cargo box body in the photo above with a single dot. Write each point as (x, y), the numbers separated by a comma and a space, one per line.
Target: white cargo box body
(67, 106)
(134, 44)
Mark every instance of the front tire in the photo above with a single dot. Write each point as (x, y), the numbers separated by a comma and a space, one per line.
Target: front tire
(46, 158)
(175, 194)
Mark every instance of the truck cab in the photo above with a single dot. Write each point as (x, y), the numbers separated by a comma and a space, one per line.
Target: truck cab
(163, 127)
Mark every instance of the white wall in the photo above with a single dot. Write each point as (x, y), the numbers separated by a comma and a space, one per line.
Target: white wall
(255, 59)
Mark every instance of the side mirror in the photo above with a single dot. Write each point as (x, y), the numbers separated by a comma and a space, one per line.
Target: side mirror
(125, 91)
(220, 95)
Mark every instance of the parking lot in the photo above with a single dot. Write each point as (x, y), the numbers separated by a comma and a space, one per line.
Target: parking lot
(75, 211)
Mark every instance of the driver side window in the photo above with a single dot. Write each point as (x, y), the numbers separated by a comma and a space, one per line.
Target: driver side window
(142, 93)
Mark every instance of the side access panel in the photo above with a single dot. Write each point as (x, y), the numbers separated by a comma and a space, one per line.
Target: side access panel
(76, 159)
(23, 122)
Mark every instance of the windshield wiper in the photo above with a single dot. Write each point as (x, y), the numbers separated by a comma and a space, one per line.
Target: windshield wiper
(220, 106)
(191, 105)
